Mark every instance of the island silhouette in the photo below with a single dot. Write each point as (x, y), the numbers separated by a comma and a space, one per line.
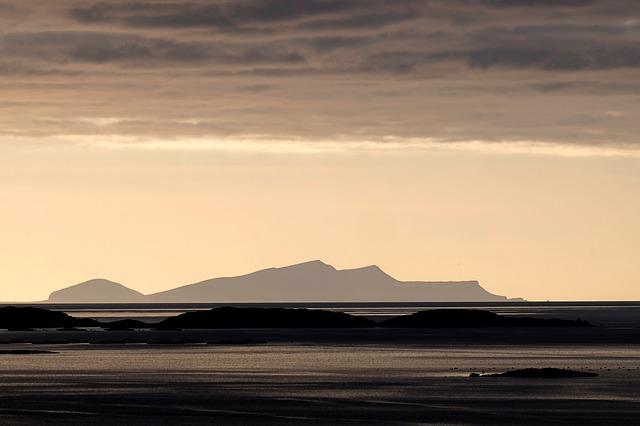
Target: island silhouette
(234, 317)
(250, 317)
(313, 281)
(24, 318)
(97, 291)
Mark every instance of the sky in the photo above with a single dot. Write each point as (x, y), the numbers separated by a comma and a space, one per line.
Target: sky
(159, 143)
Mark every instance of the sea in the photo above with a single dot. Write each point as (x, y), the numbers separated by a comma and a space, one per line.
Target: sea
(331, 377)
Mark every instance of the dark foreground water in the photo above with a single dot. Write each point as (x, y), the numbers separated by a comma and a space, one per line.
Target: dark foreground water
(321, 376)
(316, 384)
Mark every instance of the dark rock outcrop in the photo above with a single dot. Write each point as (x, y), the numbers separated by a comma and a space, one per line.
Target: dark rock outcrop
(27, 318)
(126, 324)
(18, 318)
(540, 373)
(230, 317)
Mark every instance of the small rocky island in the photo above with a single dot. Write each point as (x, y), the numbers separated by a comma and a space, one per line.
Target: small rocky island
(540, 373)
(231, 317)
(24, 318)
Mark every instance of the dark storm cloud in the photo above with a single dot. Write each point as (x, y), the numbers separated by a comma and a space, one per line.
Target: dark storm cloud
(550, 57)
(64, 46)
(443, 69)
(591, 87)
(363, 21)
(329, 44)
(553, 58)
(505, 41)
(7, 8)
(17, 69)
(534, 3)
(242, 12)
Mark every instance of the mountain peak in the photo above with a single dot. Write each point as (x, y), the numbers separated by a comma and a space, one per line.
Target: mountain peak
(98, 290)
(369, 270)
(98, 282)
(372, 268)
(310, 265)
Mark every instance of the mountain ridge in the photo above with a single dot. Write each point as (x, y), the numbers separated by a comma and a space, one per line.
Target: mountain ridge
(312, 281)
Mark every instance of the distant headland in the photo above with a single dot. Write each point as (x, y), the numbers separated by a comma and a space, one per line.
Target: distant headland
(313, 281)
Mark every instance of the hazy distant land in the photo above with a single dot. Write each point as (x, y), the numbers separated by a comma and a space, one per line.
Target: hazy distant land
(313, 281)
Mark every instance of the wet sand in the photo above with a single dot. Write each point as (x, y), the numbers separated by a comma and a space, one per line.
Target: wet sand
(385, 336)
(321, 379)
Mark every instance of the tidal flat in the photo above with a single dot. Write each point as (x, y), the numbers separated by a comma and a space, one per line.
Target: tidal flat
(316, 383)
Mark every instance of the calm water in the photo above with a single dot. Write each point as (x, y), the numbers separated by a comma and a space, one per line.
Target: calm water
(316, 384)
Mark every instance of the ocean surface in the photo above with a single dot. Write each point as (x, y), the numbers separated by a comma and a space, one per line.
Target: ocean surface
(316, 384)
(333, 377)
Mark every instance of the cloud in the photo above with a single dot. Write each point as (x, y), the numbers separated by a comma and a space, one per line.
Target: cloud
(233, 14)
(259, 144)
(551, 57)
(536, 3)
(455, 70)
(101, 47)
(589, 87)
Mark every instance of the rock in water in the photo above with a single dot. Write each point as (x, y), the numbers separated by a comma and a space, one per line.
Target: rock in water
(540, 373)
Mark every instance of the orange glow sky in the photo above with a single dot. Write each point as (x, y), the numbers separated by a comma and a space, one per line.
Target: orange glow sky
(158, 146)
